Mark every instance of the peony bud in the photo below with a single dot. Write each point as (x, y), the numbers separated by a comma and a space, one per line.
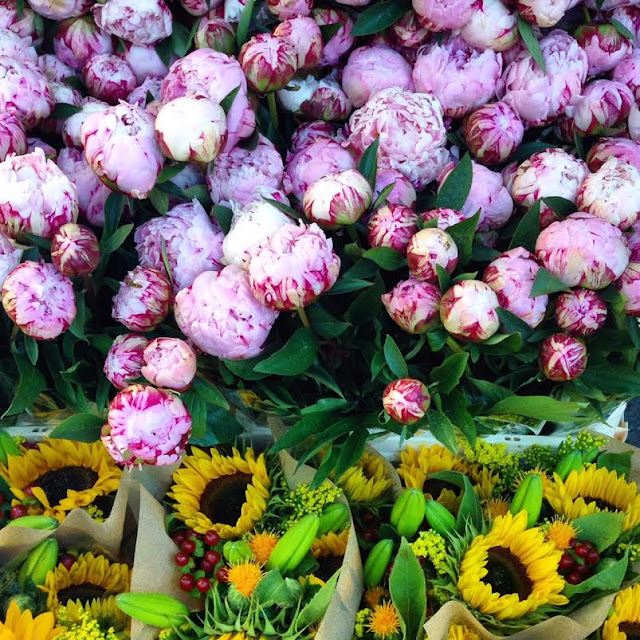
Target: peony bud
(20, 20)
(72, 125)
(13, 46)
(605, 47)
(443, 15)
(621, 148)
(629, 286)
(337, 199)
(406, 401)
(445, 217)
(108, 78)
(413, 305)
(60, 9)
(200, 7)
(286, 9)
(581, 312)
(75, 250)
(409, 31)
(123, 363)
(10, 256)
(468, 311)
(341, 41)
(141, 22)
(602, 109)
(493, 25)
(562, 357)
(39, 300)
(392, 226)
(268, 62)
(54, 69)
(169, 363)
(627, 71)
(303, 35)
(13, 138)
(541, 12)
(78, 40)
(311, 132)
(402, 192)
(429, 248)
(146, 426)
(143, 300)
(215, 33)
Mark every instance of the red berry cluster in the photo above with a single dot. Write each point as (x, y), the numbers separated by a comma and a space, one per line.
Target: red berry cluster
(578, 562)
(367, 526)
(199, 559)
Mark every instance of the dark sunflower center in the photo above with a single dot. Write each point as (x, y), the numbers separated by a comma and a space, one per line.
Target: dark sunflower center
(327, 567)
(630, 629)
(603, 505)
(506, 574)
(435, 487)
(57, 482)
(85, 592)
(222, 499)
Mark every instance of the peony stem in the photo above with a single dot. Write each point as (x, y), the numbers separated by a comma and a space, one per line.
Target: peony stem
(453, 345)
(304, 317)
(273, 109)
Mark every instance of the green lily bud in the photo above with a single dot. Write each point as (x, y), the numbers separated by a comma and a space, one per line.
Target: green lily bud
(237, 551)
(440, 519)
(529, 498)
(8, 447)
(377, 563)
(42, 523)
(23, 601)
(333, 518)
(39, 562)
(294, 545)
(154, 609)
(571, 462)
(408, 513)
(590, 455)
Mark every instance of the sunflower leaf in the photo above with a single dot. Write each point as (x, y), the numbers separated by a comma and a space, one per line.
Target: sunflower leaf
(601, 529)
(609, 578)
(318, 605)
(618, 462)
(81, 427)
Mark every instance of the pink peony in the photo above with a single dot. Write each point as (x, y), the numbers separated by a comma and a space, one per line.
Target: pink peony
(54, 69)
(144, 62)
(123, 363)
(413, 305)
(215, 33)
(493, 25)
(220, 315)
(629, 286)
(633, 241)
(627, 72)
(583, 250)
(169, 363)
(75, 250)
(511, 275)
(581, 312)
(293, 267)
(341, 41)
(628, 16)
(303, 35)
(20, 20)
(443, 15)
(78, 40)
(268, 62)
(13, 46)
(109, 78)
(199, 7)
(604, 46)
(446, 217)
(623, 149)
(392, 226)
(140, 22)
(60, 9)
(406, 400)
(316, 99)
(120, 146)
(72, 126)
(468, 311)
(13, 138)
(402, 192)
(143, 300)
(146, 426)
(409, 31)
(602, 109)
(10, 256)
(286, 9)
(542, 12)
(562, 357)
(39, 300)
(428, 249)
(311, 132)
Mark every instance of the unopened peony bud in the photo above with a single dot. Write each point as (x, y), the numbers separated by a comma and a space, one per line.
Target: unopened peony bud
(402, 193)
(140, 22)
(562, 357)
(145, 63)
(316, 99)
(10, 256)
(123, 363)
(78, 40)
(169, 363)
(54, 69)
(286, 9)
(109, 78)
(542, 12)
(13, 138)
(445, 217)
(443, 15)
(268, 62)
(72, 126)
(199, 7)
(493, 25)
(413, 305)
(602, 109)
(392, 226)
(341, 41)
(605, 47)
(60, 9)
(217, 34)
(468, 311)
(21, 20)
(303, 35)
(406, 400)
(623, 149)
(429, 248)
(629, 286)
(409, 31)
(75, 250)
(627, 71)
(581, 312)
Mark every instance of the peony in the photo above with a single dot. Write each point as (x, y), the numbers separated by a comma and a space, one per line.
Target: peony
(341, 41)
(199, 7)
(143, 300)
(493, 132)
(146, 426)
(413, 305)
(20, 20)
(54, 69)
(316, 99)
(286, 9)
(311, 132)
(73, 125)
(144, 62)
(120, 146)
(543, 13)
(392, 226)
(623, 149)
(215, 33)
(60, 9)
(602, 109)
(35, 196)
(10, 256)
(633, 241)
(629, 286)
(108, 78)
(493, 25)
(293, 267)
(13, 46)
(409, 31)
(79, 39)
(33, 144)
(612, 193)
(460, 76)
(370, 69)
(191, 241)
(629, 17)
(604, 46)
(406, 400)
(141, 22)
(303, 36)
(511, 275)
(411, 132)
(468, 311)
(445, 217)
(581, 312)
(402, 192)
(443, 15)
(562, 357)
(39, 300)
(220, 315)
(13, 138)
(428, 249)
(123, 363)
(268, 62)
(627, 72)
(75, 250)
(583, 250)
(169, 363)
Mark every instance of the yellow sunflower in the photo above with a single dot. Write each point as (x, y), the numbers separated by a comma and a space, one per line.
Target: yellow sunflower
(234, 636)
(245, 577)
(62, 475)
(624, 621)
(461, 632)
(90, 586)
(225, 493)
(23, 626)
(384, 622)
(511, 571)
(330, 544)
(591, 490)
(366, 481)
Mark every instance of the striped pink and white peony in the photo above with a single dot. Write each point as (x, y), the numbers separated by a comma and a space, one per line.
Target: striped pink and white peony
(123, 363)
(413, 305)
(406, 400)
(580, 312)
(562, 357)
(468, 311)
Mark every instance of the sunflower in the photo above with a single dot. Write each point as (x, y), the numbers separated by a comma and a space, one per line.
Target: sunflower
(624, 621)
(561, 532)
(23, 626)
(511, 571)
(591, 490)
(262, 544)
(245, 577)
(384, 622)
(90, 586)
(366, 481)
(235, 636)
(461, 632)
(62, 475)
(330, 544)
(225, 493)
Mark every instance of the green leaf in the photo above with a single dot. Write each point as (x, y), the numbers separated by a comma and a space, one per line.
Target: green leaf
(272, 590)
(539, 408)
(531, 42)
(442, 429)
(297, 355)
(210, 393)
(512, 323)
(170, 171)
(454, 406)
(180, 39)
(292, 213)
(601, 529)
(492, 391)
(77, 326)
(609, 578)
(463, 234)
(324, 324)
(31, 349)
(560, 206)
(622, 30)
(385, 257)
(347, 285)
(81, 427)
(31, 384)
(330, 30)
(528, 229)
(470, 509)
(612, 379)
(379, 17)
(444, 278)
(62, 110)
(223, 215)
(113, 208)
(437, 338)
(546, 283)
(450, 372)
(117, 238)
(351, 451)
(382, 196)
(502, 344)
(318, 605)
(408, 591)
(244, 23)
(618, 462)
(198, 410)
(579, 143)
(394, 358)
(37, 241)
(227, 102)
(160, 200)
(368, 165)
(366, 305)
(455, 190)
(634, 331)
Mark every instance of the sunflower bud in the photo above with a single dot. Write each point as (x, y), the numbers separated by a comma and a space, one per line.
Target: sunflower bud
(39, 562)
(8, 447)
(237, 552)
(571, 462)
(408, 513)
(440, 519)
(42, 523)
(333, 518)
(529, 498)
(155, 609)
(377, 563)
(294, 545)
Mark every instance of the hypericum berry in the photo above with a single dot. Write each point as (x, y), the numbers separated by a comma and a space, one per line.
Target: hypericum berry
(29, 490)
(593, 558)
(179, 537)
(203, 585)
(67, 561)
(583, 570)
(194, 535)
(19, 511)
(187, 582)
(207, 567)
(368, 517)
(1, 499)
(211, 538)
(582, 550)
(212, 556)
(567, 562)
(574, 578)
(222, 574)
(369, 535)
(182, 559)
(188, 546)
